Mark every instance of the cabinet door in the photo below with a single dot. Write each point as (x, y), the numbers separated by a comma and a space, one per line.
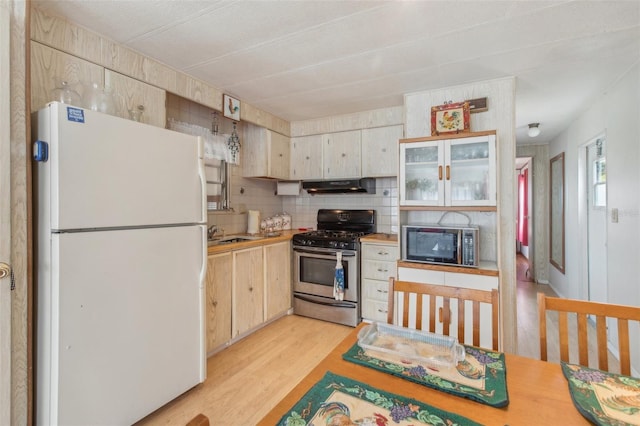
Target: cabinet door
(277, 261)
(380, 151)
(255, 151)
(422, 174)
(47, 63)
(218, 310)
(470, 171)
(279, 155)
(131, 94)
(306, 157)
(341, 155)
(248, 290)
(456, 172)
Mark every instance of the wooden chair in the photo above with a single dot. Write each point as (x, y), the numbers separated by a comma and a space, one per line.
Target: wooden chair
(199, 420)
(432, 292)
(583, 309)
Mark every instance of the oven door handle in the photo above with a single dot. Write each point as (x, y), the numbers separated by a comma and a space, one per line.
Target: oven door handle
(317, 302)
(327, 253)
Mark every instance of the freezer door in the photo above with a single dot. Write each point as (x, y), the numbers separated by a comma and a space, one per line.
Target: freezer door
(123, 329)
(105, 171)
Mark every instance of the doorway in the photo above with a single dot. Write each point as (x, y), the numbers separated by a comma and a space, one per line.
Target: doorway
(524, 224)
(594, 201)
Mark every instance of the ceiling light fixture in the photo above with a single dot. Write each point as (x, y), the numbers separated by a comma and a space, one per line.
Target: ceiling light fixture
(534, 130)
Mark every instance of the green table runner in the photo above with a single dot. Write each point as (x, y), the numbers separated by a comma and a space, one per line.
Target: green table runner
(480, 377)
(339, 400)
(604, 398)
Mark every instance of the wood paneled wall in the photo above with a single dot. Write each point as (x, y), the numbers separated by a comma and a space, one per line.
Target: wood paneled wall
(77, 41)
(340, 123)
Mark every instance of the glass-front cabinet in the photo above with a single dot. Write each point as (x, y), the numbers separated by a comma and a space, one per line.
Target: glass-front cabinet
(458, 171)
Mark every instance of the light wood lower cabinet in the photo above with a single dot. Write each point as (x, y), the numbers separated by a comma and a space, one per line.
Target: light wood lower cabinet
(378, 264)
(218, 299)
(248, 290)
(277, 279)
(245, 289)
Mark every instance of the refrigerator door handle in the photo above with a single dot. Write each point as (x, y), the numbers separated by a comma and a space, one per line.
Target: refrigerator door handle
(203, 182)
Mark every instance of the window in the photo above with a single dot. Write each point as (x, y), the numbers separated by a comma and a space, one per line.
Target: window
(600, 182)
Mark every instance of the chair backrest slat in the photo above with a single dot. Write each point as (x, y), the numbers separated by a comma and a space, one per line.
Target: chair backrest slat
(448, 295)
(583, 340)
(583, 309)
(601, 333)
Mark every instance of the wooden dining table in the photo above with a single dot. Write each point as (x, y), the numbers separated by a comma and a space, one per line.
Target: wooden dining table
(538, 391)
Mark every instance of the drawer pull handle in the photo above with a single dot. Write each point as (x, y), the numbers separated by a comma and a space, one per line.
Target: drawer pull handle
(382, 311)
(383, 291)
(383, 253)
(383, 270)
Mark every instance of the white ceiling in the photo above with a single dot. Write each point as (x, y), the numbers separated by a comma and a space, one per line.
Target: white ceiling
(314, 58)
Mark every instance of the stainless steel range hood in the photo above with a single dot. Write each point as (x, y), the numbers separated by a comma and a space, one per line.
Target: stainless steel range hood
(341, 186)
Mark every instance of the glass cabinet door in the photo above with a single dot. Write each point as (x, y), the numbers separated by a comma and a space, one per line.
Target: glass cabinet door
(454, 172)
(421, 173)
(470, 171)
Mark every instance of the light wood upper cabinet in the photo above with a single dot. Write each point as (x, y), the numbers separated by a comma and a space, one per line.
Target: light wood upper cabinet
(265, 154)
(277, 276)
(248, 290)
(341, 155)
(130, 93)
(48, 63)
(218, 299)
(380, 151)
(306, 158)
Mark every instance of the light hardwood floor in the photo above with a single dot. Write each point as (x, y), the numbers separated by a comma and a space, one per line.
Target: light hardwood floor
(245, 380)
(248, 378)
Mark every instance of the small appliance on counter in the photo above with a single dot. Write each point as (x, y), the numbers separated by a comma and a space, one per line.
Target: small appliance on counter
(253, 222)
(437, 244)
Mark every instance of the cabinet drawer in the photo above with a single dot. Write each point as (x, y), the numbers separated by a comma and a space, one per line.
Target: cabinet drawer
(379, 252)
(378, 270)
(374, 310)
(375, 290)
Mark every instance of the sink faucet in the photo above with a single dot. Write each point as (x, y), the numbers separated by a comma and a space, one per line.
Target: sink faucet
(212, 231)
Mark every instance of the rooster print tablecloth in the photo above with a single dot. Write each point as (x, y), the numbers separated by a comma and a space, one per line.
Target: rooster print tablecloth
(604, 398)
(481, 377)
(337, 400)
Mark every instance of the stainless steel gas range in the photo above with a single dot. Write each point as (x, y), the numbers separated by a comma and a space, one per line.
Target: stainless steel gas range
(315, 262)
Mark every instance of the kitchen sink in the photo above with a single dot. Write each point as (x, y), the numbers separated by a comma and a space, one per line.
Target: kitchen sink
(233, 239)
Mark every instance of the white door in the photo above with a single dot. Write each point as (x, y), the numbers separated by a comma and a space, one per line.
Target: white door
(596, 187)
(105, 171)
(120, 327)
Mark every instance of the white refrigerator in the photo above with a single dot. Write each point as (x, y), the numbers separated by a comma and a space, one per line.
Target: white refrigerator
(120, 266)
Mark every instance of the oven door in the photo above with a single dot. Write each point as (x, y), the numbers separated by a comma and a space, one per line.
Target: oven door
(314, 271)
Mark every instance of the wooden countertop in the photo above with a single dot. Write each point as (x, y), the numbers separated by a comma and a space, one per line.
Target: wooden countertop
(484, 268)
(221, 248)
(380, 238)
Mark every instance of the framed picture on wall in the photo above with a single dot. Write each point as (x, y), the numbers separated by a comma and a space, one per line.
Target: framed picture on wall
(231, 107)
(450, 118)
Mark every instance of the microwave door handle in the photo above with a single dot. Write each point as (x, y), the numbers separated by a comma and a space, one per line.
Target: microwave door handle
(459, 248)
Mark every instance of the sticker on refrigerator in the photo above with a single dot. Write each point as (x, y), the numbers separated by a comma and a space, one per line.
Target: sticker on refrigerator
(75, 114)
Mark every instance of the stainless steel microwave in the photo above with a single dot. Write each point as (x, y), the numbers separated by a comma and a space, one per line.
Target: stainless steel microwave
(446, 245)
